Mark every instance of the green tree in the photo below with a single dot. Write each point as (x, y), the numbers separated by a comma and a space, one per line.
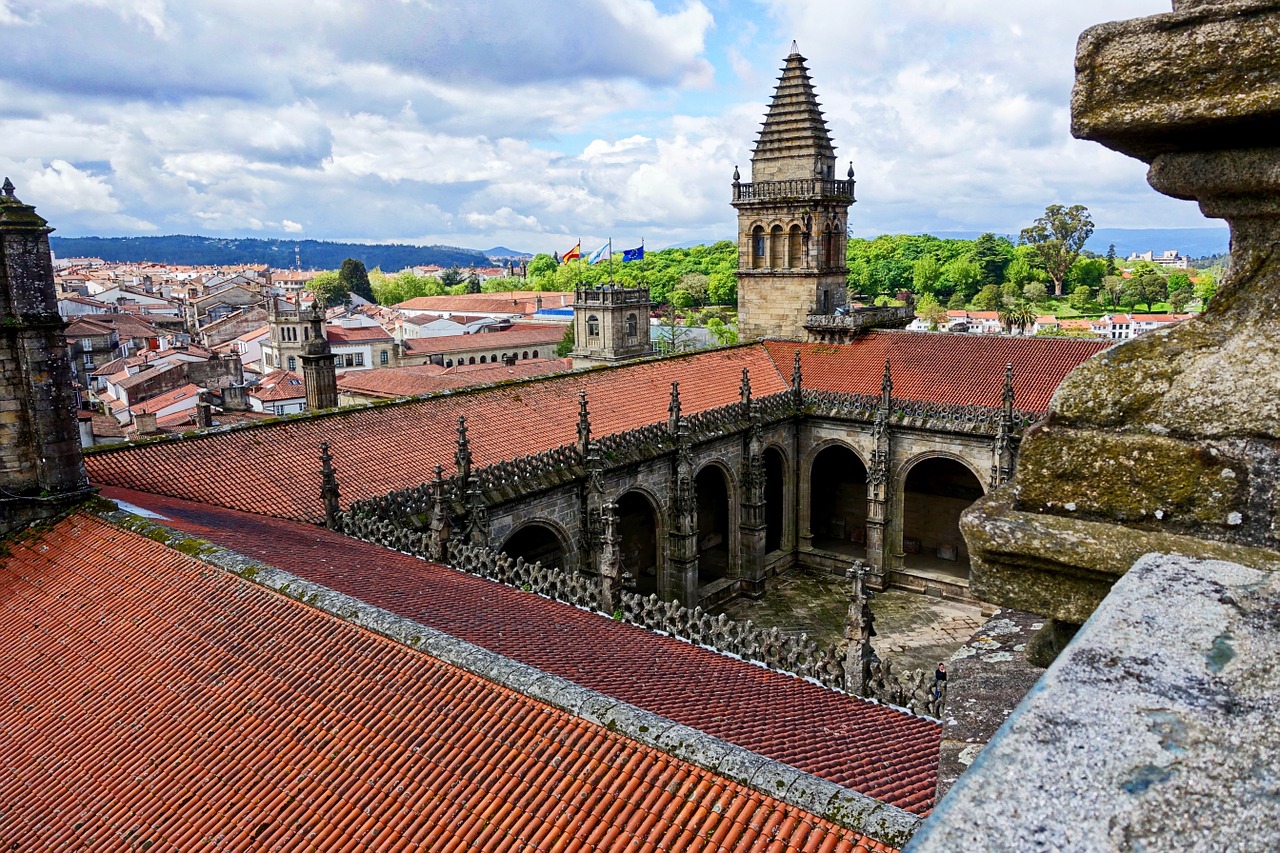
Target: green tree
(680, 298)
(987, 299)
(722, 288)
(956, 302)
(1111, 291)
(1035, 292)
(931, 310)
(1021, 314)
(1009, 293)
(1086, 271)
(1019, 273)
(1179, 281)
(541, 265)
(963, 276)
(724, 334)
(473, 283)
(1148, 287)
(451, 277)
(1206, 286)
(1179, 298)
(695, 284)
(1058, 238)
(567, 343)
(925, 274)
(1080, 297)
(992, 254)
(327, 287)
(1111, 260)
(355, 279)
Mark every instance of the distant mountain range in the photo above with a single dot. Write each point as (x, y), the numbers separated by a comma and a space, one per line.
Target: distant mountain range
(217, 251)
(392, 257)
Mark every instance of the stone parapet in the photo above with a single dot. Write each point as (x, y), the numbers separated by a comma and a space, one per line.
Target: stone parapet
(831, 328)
(794, 190)
(1153, 730)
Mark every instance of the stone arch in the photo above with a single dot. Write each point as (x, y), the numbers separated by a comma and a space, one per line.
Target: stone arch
(779, 515)
(640, 531)
(633, 325)
(837, 499)
(795, 248)
(931, 491)
(717, 522)
(593, 326)
(758, 247)
(539, 540)
(777, 247)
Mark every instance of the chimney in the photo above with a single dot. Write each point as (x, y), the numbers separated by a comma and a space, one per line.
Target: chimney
(235, 398)
(145, 424)
(204, 416)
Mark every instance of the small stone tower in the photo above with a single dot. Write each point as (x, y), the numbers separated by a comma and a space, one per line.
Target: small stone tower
(610, 324)
(319, 373)
(41, 469)
(792, 216)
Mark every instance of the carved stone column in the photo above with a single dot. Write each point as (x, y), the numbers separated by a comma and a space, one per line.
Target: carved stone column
(329, 489)
(680, 580)
(609, 560)
(752, 529)
(1167, 442)
(1002, 447)
(878, 486)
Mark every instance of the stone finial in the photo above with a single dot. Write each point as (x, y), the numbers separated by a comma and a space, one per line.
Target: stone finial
(797, 375)
(584, 424)
(744, 388)
(737, 177)
(1007, 397)
(329, 489)
(8, 189)
(795, 48)
(851, 170)
(673, 409)
(886, 385)
(463, 457)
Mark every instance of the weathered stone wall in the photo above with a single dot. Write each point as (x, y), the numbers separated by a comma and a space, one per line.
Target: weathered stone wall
(40, 461)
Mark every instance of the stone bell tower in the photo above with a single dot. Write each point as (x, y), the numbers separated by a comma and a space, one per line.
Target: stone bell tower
(610, 324)
(792, 216)
(319, 373)
(41, 470)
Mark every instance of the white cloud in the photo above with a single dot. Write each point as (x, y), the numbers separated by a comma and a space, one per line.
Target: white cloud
(526, 122)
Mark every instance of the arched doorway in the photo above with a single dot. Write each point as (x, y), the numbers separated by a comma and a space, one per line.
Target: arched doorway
(936, 491)
(774, 500)
(538, 543)
(638, 535)
(712, 490)
(838, 502)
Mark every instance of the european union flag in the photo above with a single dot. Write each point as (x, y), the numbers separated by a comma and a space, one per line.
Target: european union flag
(635, 254)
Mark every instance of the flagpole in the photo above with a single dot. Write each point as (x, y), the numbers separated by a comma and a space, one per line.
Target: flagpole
(580, 281)
(611, 260)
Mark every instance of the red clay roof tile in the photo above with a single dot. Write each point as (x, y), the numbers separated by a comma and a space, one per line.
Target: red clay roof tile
(276, 472)
(151, 700)
(870, 748)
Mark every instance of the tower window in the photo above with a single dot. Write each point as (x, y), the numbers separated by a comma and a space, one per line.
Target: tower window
(293, 363)
(633, 326)
(593, 326)
(383, 358)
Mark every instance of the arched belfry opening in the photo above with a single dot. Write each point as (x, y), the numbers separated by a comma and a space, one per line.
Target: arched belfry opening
(838, 502)
(538, 543)
(936, 491)
(712, 490)
(638, 535)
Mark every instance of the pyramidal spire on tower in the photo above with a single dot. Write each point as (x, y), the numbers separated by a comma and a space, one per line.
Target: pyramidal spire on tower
(794, 142)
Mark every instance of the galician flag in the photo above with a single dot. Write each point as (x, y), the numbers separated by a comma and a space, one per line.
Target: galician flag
(575, 252)
(636, 254)
(605, 252)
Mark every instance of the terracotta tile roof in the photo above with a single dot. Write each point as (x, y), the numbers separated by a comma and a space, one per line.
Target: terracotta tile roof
(149, 698)
(393, 382)
(105, 426)
(277, 474)
(279, 385)
(177, 395)
(528, 334)
(952, 369)
(871, 748)
(342, 335)
(517, 302)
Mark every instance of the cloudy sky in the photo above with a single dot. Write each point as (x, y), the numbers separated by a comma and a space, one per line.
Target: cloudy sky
(529, 123)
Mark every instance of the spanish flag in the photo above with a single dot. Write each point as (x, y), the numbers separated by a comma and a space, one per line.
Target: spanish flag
(575, 252)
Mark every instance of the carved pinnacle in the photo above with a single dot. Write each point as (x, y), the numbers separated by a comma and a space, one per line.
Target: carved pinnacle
(463, 457)
(744, 389)
(886, 384)
(8, 189)
(584, 422)
(797, 375)
(673, 409)
(1008, 387)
